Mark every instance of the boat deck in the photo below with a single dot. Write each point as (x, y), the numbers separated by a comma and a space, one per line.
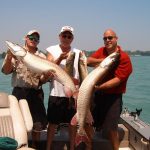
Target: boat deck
(61, 140)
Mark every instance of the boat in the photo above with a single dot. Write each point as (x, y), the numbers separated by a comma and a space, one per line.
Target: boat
(138, 130)
(134, 134)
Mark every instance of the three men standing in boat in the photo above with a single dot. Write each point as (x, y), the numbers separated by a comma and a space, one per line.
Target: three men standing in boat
(107, 94)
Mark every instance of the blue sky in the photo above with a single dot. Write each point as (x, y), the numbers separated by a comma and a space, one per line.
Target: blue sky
(89, 18)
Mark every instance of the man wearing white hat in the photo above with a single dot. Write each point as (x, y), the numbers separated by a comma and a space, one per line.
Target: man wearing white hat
(27, 85)
(59, 110)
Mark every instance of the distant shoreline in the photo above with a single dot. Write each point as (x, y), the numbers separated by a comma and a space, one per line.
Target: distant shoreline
(88, 53)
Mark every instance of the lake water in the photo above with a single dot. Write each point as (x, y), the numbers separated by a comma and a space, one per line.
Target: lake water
(138, 88)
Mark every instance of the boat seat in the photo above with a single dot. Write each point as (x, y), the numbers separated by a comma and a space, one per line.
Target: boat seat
(15, 119)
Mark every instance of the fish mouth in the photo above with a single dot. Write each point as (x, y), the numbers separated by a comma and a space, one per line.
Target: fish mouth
(16, 49)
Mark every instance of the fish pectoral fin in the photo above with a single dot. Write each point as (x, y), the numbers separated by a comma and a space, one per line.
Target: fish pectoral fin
(89, 119)
(50, 74)
(52, 71)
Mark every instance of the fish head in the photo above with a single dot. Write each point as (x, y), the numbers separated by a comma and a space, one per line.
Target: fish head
(71, 56)
(110, 60)
(16, 50)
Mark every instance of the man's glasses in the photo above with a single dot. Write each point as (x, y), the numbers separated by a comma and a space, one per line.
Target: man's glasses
(67, 36)
(108, 37)
(33, 38)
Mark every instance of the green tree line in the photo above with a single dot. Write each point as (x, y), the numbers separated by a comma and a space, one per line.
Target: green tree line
(88, 53)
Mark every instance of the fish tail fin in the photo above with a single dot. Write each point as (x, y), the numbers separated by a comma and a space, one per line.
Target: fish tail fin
(81, 136)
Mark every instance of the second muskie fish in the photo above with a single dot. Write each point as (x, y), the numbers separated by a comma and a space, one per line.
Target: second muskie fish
(86, 90)
(82, 66)
(70, 63)
(40, 65)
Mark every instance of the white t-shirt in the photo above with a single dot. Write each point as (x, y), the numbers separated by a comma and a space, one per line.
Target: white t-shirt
(56, 88)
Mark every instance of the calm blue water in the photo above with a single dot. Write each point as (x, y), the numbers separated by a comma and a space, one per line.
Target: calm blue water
(138, 88)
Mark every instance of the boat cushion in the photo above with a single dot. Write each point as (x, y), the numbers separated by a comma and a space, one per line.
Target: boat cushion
(6, 126)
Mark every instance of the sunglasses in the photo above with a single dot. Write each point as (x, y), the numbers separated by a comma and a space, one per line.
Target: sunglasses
(108, 37)
(33, 38)
(67, 36)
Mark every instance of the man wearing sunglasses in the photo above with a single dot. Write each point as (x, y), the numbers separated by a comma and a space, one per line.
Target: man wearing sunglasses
(108, 95)
(27, 85)
(60, 110)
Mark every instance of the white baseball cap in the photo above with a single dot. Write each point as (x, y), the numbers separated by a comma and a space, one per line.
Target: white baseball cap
(67, 28)
(33, 31)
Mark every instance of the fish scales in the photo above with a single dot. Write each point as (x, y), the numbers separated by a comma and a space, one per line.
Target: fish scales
(82, 65)
(85, 94)
(70, 63)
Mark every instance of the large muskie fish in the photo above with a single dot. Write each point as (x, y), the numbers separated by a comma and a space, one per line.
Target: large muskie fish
(86, 90)
(40, 65)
